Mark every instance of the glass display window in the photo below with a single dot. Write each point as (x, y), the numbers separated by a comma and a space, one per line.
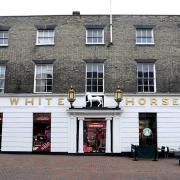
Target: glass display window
(42, 132)
(94, 136)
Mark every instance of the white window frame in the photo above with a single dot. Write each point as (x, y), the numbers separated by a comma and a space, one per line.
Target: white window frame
(37, 37)
(92, 37)
(154, 72)
(94, 93)
(4, 31)
(36, 79)
(145, 29)
(3, 78)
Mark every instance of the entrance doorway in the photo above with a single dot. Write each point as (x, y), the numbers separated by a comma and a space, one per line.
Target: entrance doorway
(94, 136)
(147, 129)
(42, 132)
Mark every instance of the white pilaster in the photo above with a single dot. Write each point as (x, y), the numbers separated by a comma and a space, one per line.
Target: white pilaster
(81, 120)
(108, 135)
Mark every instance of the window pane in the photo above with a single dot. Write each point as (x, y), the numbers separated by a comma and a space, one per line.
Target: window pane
(2, 83)
(89, 33)
(145, 81)
(1, 34)
(151, 88)
(5, 34)
(94, 82)
(151, 81)
(1, 41)
(100, 32)
(149, 33)
(146, 89)
(139, 74)
(100, 81)
(140, 88)
(88, 88)
(95, 67)
(143, 33)
(151, 74)
(100, 40)
(95, 40)
(140, 82)
(49, 88)
(100, 88)
(89, 40)
(94, 88)
(138, 33)
(49, 82)
(143, 40)
(94, 74)
(100, 67)
(89, 67)
(89, 74)
(100, 75)
(151, 67)
(88, 81)
(5, 41)
(138, 40)
(149, 40)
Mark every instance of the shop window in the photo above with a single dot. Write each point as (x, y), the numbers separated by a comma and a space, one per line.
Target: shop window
(1, 120)
(42, 132)
(147, 129)
(94, 136)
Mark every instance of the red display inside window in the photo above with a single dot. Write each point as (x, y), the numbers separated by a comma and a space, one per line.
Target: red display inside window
(42, 132)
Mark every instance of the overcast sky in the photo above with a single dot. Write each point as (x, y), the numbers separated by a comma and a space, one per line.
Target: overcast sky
(43, 7)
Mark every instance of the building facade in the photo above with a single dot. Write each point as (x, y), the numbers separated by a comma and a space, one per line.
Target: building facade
(42, 56)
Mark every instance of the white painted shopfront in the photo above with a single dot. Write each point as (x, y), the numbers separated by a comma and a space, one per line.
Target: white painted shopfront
(67, 125)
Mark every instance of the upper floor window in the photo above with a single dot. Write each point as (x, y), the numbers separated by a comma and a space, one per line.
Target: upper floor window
(3, 38)
(95, 36)
(43, 78)
(2, 78)
(45, 37)
(144, 36)
(95, 77)
(146, 81)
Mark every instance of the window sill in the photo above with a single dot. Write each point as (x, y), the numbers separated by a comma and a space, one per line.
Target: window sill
(146, 92)
(43, 92)
(3, 45)
(45, 44)
(145, 44)
(102, 44)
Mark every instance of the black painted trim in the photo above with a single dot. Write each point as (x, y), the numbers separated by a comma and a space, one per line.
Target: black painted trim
(144, 26)
(4, 28)
(145, 60)
(111, 128)
(90, 26)
(45, 27)
(3, 62)
(47, 61)
(94, 60)
(77, 137)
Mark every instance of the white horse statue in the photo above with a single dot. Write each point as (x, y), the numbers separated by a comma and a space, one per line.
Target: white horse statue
(91, 99)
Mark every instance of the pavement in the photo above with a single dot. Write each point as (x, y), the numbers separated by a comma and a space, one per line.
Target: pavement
(66, 167)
